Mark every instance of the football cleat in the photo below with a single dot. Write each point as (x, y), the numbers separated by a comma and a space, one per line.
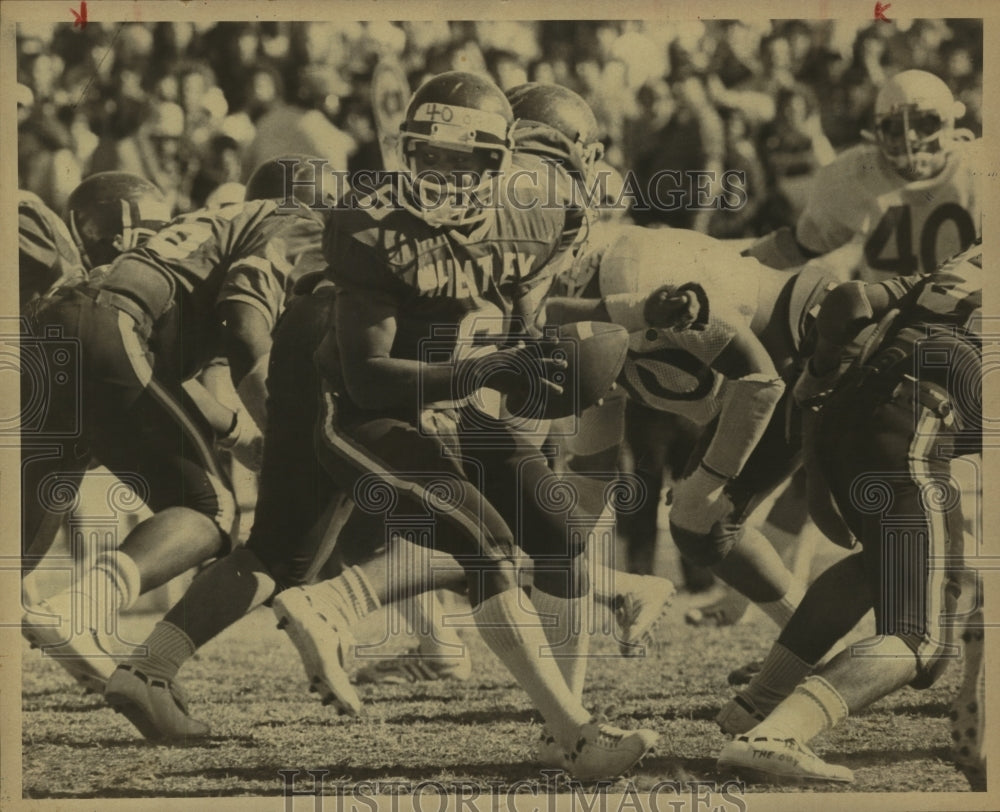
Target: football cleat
(638, 611)
(967, 712)
(416, 666)
(321, 646)
(769, 758)
(745, 673)
(84, 654)
(605, 751)
(549, 753)
(157, 707)
(739, 715)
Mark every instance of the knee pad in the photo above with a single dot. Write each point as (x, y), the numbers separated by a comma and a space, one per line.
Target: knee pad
(706, 549)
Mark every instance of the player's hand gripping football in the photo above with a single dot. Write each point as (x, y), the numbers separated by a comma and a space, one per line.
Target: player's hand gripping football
(529, 373)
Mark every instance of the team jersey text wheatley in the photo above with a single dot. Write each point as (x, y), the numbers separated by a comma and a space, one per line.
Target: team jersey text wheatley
(887, 226)
(438, 276)
(239, 253)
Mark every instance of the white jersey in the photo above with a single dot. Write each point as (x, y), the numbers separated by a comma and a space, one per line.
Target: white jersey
(666, 369)
(882, 225)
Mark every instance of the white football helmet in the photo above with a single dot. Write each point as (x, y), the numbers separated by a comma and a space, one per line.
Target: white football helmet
(915, 116)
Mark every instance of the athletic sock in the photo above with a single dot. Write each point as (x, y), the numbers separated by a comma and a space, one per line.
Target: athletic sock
(781, 673)
(424, 615)
(348, 598)
(781, 610)
(511, 629)
(115, 580)
(568, 636)
(813, 707)
(167, 649)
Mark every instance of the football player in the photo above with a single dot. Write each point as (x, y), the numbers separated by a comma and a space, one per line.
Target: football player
(907, 200)
(742, 316)
(207, 283)
(439, 259)
(892, 395)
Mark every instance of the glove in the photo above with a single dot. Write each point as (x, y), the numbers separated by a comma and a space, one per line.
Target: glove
(699, 501)
(244, 441)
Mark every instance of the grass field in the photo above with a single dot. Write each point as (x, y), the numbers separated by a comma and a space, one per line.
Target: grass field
(248, 684)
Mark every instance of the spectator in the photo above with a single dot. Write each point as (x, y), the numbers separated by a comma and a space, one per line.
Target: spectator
(742, 157)
(304, 127)
(691, 141)
(793, 147)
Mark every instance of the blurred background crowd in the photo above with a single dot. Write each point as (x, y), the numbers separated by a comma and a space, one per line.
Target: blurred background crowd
(195, 107)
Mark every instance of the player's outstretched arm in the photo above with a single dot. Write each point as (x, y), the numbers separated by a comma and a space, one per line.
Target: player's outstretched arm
(564, 310)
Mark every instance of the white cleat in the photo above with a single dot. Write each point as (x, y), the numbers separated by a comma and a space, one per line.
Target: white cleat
(638, 611)
(157, 707)
(416, 666)
(604, 751)
(968, 713)
(772, 759)
(739, 715)
(549, 753)
(76, 646)
(321, 646)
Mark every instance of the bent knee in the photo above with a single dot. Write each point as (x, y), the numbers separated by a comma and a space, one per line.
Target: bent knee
(706, 549)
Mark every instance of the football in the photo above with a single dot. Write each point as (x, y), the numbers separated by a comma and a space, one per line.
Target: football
(594, 352)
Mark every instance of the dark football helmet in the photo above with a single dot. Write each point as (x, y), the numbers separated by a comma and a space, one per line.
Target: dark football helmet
(290, 177)
(456, 136)
(112, 212)
(554, 122)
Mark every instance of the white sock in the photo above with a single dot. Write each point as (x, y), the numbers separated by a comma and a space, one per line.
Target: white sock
(568, 636)
(115, 577)
(813, 707)
(510, 627)
(348, 598)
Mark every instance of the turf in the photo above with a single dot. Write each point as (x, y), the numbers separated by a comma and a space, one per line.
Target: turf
(249, 686)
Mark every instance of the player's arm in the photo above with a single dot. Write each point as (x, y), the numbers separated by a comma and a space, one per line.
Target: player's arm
(749, 399)
(566, 310)
(247, 345)
(365, 332)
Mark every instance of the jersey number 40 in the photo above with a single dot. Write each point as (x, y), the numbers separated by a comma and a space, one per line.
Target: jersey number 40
(898, 220)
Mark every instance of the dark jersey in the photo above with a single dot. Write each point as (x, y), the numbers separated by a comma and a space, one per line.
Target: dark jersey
(243, 252)
(439, 276)
(47, 257)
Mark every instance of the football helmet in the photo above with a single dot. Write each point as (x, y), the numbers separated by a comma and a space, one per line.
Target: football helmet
(554, 122)
(455, 138)
(112, 212)
(288, 178)
(915, 116)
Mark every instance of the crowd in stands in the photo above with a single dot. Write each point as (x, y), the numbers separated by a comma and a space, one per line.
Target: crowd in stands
(195, 107)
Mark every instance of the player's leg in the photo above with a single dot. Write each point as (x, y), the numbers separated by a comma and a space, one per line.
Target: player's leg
(910, 541)
(296, 505)
(398, 470)
(738, 553)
